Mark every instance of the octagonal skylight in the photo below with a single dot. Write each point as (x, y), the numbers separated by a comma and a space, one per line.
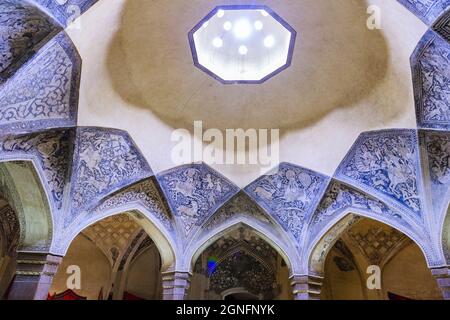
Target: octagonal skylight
(242, 44)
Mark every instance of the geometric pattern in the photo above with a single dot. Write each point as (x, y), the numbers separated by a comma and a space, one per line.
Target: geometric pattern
(376, 243)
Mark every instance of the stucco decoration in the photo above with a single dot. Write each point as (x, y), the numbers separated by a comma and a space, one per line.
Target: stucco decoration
(436, 146)
(289, 194)
(44, 92)
(239, 205)
(430, 65)
(50, 150)
(105, 160)
(427, 10)
(442, 25)
(65, 11)
(22, 29)
(340, 198)
(144, 193)
(194, 192)
(386, 164)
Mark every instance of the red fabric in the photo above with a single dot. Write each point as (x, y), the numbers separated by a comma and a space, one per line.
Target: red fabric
(393, 296)
(66, 295)
(129, 296)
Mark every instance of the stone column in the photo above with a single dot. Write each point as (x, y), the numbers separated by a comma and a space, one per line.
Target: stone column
(175, 285)
(34, 276)
(442, 276)
(306, 287)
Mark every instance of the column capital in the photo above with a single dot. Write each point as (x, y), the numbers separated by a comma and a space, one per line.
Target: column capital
(306, 287)
(442, 276)
(175, 285)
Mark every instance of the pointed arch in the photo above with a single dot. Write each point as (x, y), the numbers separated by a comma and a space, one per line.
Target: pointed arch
(285, 250)
(23, 189)
(319, 247)
(163, 238)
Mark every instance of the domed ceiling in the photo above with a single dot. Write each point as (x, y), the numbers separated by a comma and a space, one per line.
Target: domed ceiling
(139, 76)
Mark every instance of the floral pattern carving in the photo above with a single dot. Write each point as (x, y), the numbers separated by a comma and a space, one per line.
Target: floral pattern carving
(431, 65)
(194, 192)
(145, 193)
(289, 195)
(388, 163)
(105, 160)
(240, 204)
(427, 10)
(438, 149)
(340, 197)
(22, 28)
(44, 92)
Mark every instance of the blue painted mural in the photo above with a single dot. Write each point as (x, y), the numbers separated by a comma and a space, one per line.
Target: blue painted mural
(427, 10)
(386, 163)
(105, 160)
(289, 194)
(43, 94)
(195, 192)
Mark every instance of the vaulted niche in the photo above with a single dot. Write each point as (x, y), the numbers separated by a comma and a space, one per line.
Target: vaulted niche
(240, 265)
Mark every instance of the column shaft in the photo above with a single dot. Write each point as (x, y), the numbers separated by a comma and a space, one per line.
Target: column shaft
(175, 285)
(306, 287)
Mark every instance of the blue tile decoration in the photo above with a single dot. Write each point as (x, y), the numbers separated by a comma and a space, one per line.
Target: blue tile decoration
(442, 25)
(427, 10)
(145, 193)
(22, 28)
(430, 65)
(289, 194)
(66, 12)
(43, 94)
(105, 160)
(386, 164)
(436, 149)
(340, 197)
(194, 192)
(240, 205)
(382, 176)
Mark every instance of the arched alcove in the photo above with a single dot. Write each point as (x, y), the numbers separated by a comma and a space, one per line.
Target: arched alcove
(21, 186)
(109, 252)
(361, 258)
(239, 259)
